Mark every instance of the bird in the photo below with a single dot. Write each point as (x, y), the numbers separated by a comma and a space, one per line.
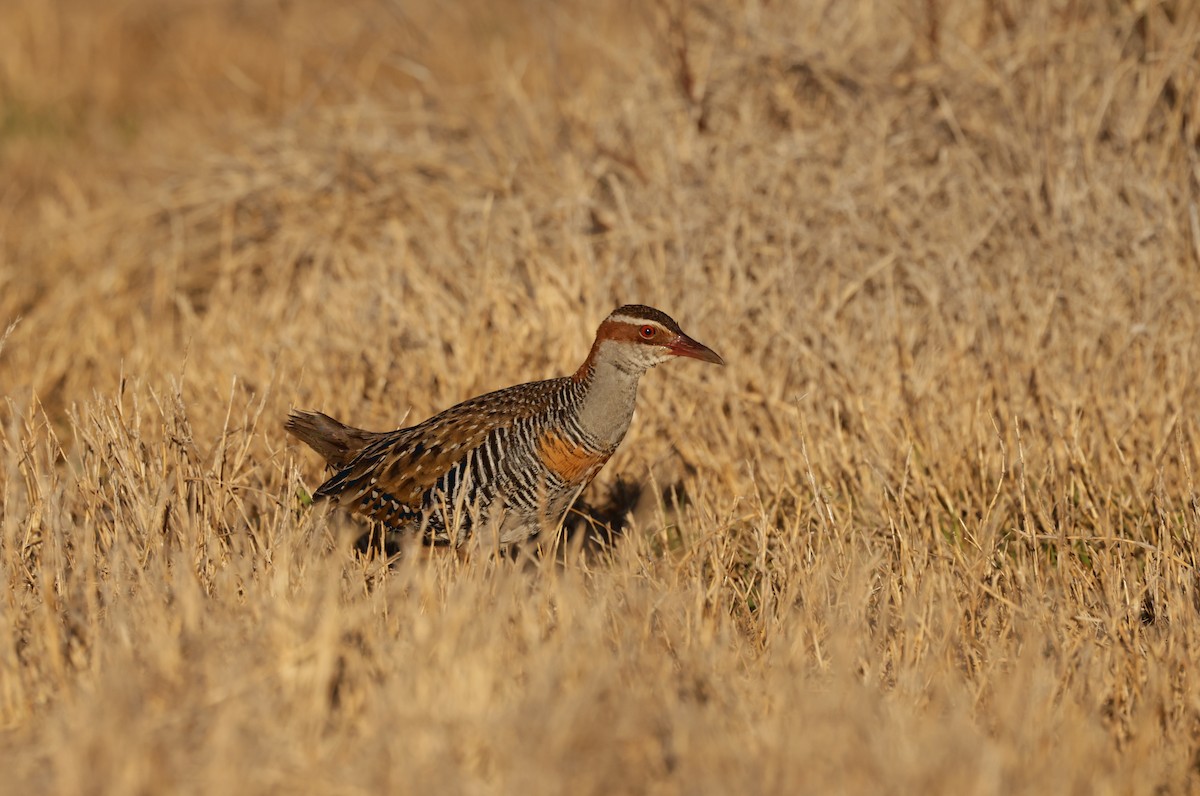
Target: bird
(512, 461)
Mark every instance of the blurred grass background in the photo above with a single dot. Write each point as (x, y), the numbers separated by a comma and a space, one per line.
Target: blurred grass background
(932, 529)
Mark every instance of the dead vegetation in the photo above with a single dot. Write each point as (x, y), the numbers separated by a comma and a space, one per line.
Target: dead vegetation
(932, 529)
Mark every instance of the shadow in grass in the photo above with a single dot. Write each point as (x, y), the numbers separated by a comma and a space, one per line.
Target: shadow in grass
(590, 528)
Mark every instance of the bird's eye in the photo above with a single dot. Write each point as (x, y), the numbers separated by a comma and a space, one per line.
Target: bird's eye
(647, 332)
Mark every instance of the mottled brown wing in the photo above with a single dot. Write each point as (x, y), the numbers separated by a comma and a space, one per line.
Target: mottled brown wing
(390, 479)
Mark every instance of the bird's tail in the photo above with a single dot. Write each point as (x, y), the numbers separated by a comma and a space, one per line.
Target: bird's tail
(337, 442)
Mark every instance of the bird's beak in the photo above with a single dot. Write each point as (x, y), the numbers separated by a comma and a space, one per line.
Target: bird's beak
(684, 346)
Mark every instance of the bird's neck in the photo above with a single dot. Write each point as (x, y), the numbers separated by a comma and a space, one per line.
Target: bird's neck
(608, 395)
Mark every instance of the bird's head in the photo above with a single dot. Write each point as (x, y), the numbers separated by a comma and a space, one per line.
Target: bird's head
(635, 338)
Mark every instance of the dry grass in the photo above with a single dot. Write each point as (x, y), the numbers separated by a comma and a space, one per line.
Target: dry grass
(933, 529)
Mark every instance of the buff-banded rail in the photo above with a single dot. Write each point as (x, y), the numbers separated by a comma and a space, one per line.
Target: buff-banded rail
(513, 460)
